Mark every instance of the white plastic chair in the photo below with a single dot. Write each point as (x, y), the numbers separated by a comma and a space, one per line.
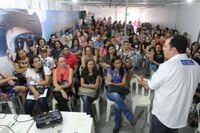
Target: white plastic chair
(10, 105)
(97, 106)
(69, 103)
(198, 128)
(108, 108)
(139, 98)
(95, 102)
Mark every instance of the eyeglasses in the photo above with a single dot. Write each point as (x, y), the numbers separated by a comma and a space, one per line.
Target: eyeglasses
(19, 40)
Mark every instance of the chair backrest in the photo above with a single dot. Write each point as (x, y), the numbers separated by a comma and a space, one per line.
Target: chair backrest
(198, 109)
(137, 87)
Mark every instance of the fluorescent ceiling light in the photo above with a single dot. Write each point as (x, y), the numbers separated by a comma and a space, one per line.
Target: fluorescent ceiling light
(189, 1)
(74, 1)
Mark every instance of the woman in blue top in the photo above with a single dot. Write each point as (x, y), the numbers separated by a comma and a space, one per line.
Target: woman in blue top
(117, 75)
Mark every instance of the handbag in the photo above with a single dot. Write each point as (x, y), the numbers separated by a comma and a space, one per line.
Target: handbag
(21, 78)
(122, 90)
(87, 92)
(5, 87)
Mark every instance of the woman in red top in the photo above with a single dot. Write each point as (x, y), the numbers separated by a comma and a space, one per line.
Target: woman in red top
(62, 81)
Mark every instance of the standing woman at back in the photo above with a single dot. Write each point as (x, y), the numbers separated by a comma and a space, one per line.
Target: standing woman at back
(38, 80)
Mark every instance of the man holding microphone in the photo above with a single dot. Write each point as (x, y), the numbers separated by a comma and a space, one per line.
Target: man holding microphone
(174, 84)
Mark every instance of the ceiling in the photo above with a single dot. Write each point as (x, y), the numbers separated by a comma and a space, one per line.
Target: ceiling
(122, 3)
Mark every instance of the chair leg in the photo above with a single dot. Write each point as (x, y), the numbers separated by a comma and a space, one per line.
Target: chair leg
(12, 108)
(148, 114)
(81, 105)
(108, 111)
(1, 107)
(54, 102)
(196, 131)
(73, 98)
(97, 110)
(69, 103)
(133, 108)
(19, 101)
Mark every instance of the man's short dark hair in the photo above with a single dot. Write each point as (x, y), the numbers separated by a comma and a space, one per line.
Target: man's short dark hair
(180, 43)
(126, 42)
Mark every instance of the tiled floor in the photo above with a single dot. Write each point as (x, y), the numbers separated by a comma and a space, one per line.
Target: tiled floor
(106, 127)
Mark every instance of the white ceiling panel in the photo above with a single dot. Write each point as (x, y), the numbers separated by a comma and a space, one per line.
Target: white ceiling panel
(121, 3)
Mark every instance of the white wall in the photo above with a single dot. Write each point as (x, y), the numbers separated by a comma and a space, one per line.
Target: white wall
(116, 14)
(184, 18)
(189, 20)
(13, 4)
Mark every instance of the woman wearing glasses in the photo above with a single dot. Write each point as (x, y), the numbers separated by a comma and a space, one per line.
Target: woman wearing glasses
(62, 81)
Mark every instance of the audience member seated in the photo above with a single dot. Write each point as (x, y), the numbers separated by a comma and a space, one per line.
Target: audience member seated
(103, 50)
(38, 79)
(51, 42)
(46, 60)
(90, 82)
(88, 55)
(194, 49)
(42, 44)
(98, 43)
(57, 50)
(83, 41)
(117, 75)
(72, 61)
(111, 52)
(21, 64)
(8, 88)
(95, 51)
(193, 117)
(157, 57)
(76, 49)
(62, 82)
(127, 56)
(136, 47)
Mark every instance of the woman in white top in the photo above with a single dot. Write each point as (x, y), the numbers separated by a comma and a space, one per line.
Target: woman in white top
(38, 79)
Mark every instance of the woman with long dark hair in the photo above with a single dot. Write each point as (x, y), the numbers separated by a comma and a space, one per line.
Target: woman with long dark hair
(38, 80)
(76, 49)
(111, 52)
(42, 44)
(117, 75)
(157, 56)
(51, 41)
(21, 63)
(90, 79)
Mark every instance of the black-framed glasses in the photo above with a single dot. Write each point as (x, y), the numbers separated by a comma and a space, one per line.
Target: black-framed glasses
(29, 38)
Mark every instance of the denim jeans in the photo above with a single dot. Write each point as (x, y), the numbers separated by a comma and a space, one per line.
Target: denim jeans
(137, 59)
(120, 106)
(42, 102)
(158, 127)
(87, 102)
(147, 66)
